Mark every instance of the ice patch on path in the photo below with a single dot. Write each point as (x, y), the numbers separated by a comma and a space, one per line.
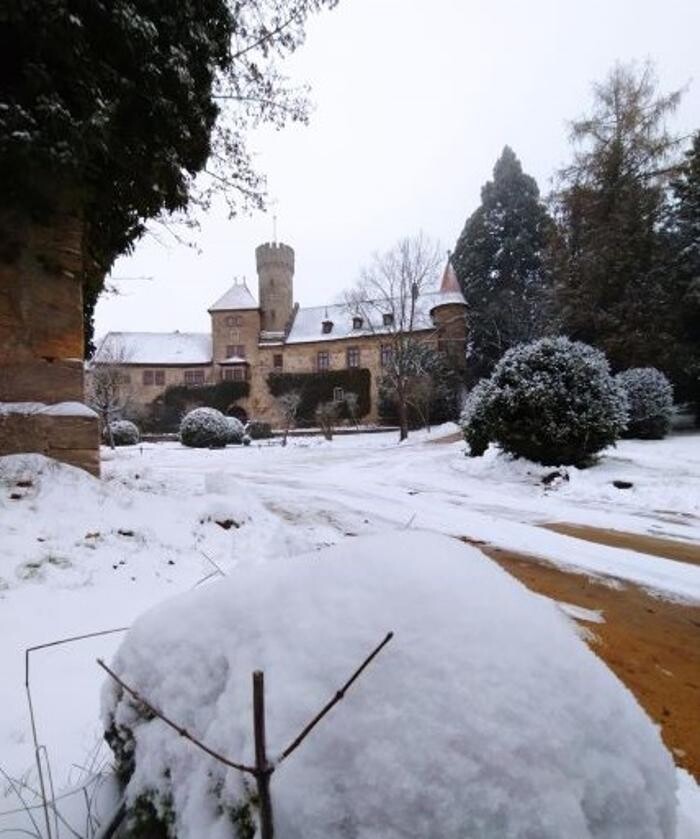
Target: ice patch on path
(485, 716)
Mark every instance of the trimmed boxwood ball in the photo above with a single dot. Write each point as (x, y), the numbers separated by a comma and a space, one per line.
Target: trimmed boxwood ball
(235, 430)
(204, 428)
(124, 433)
(552, 401)
(258, 430)
(650, 398)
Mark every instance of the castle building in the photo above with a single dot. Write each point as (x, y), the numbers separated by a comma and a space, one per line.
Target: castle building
(251, 339)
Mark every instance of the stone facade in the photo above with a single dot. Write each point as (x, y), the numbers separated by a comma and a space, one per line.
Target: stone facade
(251, 340)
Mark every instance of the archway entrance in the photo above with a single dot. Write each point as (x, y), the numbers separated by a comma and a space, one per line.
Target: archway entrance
(238, 412)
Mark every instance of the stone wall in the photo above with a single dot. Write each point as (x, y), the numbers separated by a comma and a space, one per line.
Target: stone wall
(69, 437)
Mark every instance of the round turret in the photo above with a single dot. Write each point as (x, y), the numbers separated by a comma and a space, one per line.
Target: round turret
(275, 264)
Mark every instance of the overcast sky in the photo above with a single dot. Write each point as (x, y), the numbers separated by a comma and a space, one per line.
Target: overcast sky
(414, 100)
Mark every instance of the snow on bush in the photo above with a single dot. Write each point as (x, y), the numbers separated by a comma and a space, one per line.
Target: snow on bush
(123, 433)
(552, 401)
(650, 398)
(235, 430)
(474, 418)
(203, 428)
(486, 716)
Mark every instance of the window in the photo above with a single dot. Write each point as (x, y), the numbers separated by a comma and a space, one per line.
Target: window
(388, 318)
(323, 361)
(237, 350)
(327, 327)
(234, 320)
(194, 377)
(123, 378)
(357, 322)
(235, 374)
(338, 394)
(353, 357)
(148, 377)
(159, 377)
(278, 361)
(385, 355)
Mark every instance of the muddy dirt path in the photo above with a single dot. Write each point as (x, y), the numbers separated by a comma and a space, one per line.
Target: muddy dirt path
(654, 545)
(652, 645)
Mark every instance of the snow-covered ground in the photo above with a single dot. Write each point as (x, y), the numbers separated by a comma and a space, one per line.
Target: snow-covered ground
(80, 555)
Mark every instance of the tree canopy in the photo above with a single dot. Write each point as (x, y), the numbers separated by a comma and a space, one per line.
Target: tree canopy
(613, 281)
(118, 111)
(499, 260)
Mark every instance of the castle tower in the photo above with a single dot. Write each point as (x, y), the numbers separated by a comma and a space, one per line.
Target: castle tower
(449, 316)
(275, 264)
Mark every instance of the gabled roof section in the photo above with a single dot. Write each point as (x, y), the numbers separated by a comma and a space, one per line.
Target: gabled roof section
(176, 348)
(236, 298)
(308, 323)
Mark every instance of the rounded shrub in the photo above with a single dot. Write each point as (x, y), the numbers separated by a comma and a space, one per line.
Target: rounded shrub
(552, 401)
(204, 428)
(258, 430)
(475, 420)
(123, 433)
(650, 399)
(235, 430)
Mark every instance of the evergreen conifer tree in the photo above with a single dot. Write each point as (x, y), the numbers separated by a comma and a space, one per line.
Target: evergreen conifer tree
(683, 238)
(613, 287)
(499, 260)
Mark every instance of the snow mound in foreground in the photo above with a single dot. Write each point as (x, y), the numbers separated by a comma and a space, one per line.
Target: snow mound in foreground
(485, 716)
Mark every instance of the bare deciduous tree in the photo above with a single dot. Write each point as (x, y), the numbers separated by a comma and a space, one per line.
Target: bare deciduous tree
(288, 404)
(108, 387)
(387, 298)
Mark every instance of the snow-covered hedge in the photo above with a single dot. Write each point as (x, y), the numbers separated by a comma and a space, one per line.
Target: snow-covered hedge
(235, 430)
(123, 433)
(650, 398)
(552, 401)
(471, 722)
(204, 428)
(474, 418)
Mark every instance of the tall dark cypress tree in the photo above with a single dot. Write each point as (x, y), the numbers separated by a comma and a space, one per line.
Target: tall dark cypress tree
(499, 259)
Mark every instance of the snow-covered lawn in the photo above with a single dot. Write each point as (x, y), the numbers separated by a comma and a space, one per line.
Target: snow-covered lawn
(80, 555)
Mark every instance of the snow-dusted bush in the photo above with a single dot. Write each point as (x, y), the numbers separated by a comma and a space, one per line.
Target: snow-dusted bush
(204, 428)
(552, 401)
(516, 728)
(235, 430)
(247, 439)
(474, 419)
(258, 430)
(122, 432)
(650, 398)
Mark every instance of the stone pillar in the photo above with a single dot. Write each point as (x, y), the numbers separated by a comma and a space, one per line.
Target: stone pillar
(41, 322)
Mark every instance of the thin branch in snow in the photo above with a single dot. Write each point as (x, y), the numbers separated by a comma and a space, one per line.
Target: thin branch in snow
(338, 696)
(183, 732)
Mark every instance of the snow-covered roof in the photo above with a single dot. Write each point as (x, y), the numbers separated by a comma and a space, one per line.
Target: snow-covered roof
(308, 323)
(155, 348)
(58, 409)
(237, 297)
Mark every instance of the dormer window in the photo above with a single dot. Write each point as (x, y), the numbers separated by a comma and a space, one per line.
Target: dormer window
(327, 327)
(357, 322)
(388, 318)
